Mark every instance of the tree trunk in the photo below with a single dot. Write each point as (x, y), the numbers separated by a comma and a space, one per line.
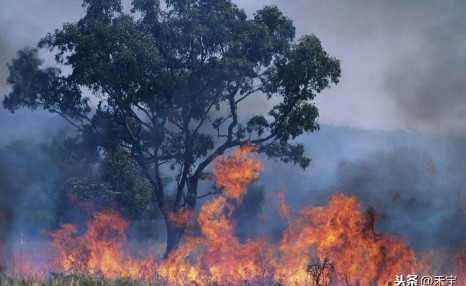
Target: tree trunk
(192, 192)
(173, 237)
(176, 230)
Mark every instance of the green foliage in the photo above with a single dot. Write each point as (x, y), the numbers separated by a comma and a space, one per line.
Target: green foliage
(171, 81)
(119, 185)
(90, 189)
(173, 66)
(133, 192)
(286, 153)
(34, 86)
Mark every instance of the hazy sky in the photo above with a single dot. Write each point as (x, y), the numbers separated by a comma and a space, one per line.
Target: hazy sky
(403, 62)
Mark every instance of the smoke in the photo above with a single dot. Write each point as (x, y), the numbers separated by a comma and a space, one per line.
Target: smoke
(403, 62)
(7, 51)
(414, 196)
(429, 84)
(25, 177)
(414, 181)
(22, 25)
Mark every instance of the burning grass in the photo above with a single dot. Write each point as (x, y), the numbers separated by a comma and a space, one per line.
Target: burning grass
(335, 244)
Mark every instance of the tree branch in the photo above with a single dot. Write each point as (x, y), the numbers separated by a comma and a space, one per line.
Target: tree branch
(248, 94)
(175, 123)
(144, 110)
(204, 117)
(181, 185)
(228, 142)
(209, 194)
(67, 119)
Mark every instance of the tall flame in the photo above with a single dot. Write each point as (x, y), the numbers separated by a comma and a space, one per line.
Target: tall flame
(236, 172)
(342, 232)
(219, 256)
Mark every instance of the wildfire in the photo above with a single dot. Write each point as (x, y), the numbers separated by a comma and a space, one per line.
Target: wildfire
(236, 172)
(341, 234)
(99, 251)
(341, 231)
(219, 256)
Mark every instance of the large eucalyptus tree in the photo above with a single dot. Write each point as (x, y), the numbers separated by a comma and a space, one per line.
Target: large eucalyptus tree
(168, 82)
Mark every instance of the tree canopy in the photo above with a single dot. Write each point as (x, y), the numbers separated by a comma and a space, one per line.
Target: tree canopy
(168, 82)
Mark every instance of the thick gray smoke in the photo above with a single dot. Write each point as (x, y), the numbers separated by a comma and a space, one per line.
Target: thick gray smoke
(403, 62)
(417, 197)
(429, 83)
(28, 180)
(24, 23)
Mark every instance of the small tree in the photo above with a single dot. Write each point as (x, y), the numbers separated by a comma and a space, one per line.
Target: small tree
(170, 81)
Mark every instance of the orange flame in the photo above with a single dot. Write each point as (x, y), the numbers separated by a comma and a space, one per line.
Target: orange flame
(236, 172)
(341, 232)
(219, 256)
(99, 250)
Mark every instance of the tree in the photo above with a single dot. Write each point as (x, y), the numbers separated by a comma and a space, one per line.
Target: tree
(170, 80)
